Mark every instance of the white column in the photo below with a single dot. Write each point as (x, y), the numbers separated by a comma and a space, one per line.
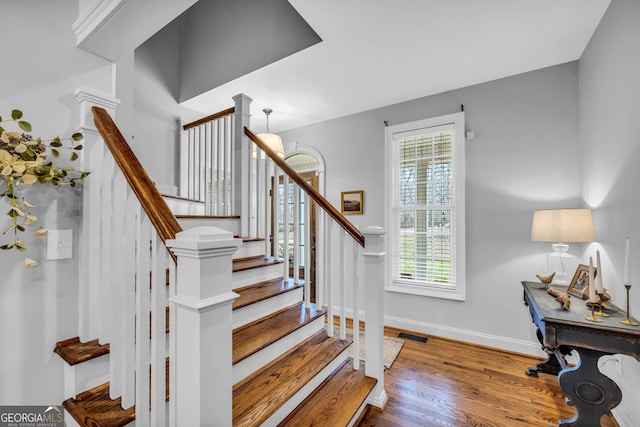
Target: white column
(242, 157)
(202, 307)
(374, 276)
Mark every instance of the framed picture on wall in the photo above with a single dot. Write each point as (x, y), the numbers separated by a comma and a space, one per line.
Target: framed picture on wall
(580, 280)
(351, 202)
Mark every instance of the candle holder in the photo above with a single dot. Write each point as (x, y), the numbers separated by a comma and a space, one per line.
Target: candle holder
(593, 318)
(628, 320)
(600, 304)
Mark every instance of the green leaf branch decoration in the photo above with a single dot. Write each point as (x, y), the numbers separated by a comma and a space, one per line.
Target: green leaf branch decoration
(23, 162)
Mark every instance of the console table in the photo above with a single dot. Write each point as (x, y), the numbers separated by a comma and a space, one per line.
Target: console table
(560, 331)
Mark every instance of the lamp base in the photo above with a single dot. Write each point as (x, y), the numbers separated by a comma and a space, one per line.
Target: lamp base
(558, 261)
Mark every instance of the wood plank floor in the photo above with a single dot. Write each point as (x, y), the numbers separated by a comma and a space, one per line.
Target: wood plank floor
(449, 383)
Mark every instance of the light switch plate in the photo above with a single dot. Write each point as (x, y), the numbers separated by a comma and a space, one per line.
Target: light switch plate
(59, 244)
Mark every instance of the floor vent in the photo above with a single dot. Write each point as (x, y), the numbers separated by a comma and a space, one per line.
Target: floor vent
(412, 337)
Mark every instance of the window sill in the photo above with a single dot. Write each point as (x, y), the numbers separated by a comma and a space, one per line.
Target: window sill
(434, 291)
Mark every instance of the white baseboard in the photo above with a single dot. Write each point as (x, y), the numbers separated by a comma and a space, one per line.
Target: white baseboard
(479, 338)
(473, 337)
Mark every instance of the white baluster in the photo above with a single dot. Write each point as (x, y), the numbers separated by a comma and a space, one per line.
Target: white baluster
(192, 163)
(105, 308)
(209, 159)
(329, 287)
(285, 227)
(118, 285)
(276, 211)
(356, 310)
(158, 331)
(184, 159)
(343, 289)
(267, 205)
(296, 239)
(307, 252)
(259, 197)
(230, 186)
(133, 209)
(173, 421)
(320, 259)
(143, 308)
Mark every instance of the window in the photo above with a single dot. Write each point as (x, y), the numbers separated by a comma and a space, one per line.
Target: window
(425, 198)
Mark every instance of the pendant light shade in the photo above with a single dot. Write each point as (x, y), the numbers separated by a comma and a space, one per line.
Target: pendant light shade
(273, 141)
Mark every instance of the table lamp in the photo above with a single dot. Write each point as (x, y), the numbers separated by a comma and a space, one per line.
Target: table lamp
(562, 226)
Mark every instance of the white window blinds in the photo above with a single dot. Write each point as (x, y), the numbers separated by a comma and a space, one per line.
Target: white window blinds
(424, 217)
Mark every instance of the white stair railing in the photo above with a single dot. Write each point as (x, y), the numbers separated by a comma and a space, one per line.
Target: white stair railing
(336, 234)
(127, 244)
(206, 162)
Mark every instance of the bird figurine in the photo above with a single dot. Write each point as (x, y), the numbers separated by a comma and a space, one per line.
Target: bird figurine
(546, 278)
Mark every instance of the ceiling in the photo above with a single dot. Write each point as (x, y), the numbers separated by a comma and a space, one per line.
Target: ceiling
(377, 52)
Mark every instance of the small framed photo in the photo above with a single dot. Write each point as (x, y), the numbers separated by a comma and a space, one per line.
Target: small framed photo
(351, 202)
(580, 280)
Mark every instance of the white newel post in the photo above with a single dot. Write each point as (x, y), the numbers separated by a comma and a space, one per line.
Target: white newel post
(374, 276)
(202, 357)
(240, 192)
(89, 251)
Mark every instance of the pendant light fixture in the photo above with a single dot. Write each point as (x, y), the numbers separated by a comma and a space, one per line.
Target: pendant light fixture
(273, 141)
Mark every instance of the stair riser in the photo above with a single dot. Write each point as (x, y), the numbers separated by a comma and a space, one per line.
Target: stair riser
(85, 375)
(250, 249)
(256, 361)
(305, 391)
(184, 207)
(228, 224)
(255, 275)
(259, 309)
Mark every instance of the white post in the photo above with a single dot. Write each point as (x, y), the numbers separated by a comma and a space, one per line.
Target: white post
(374, 275)
(89, 246)
(242, 156)
(202, 307)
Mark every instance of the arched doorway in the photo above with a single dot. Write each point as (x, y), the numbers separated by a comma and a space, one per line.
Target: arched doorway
(308, 162)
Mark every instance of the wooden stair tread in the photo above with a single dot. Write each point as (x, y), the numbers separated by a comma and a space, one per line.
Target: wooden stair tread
(207, 216)
(263, 290)
(73, 351)
(248, 263)
(253, 337)
(259, 396)
(94, 408)
(336, 400)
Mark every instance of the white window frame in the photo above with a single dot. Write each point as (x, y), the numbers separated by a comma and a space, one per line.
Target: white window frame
(455, 291)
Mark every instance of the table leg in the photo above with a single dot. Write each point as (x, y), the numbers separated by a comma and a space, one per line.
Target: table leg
(552, 365)
(592, 393)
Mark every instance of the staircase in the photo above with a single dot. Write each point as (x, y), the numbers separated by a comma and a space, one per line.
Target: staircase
(253, 351)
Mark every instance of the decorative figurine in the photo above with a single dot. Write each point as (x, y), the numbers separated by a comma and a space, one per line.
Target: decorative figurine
(546, 278)
(561, 297)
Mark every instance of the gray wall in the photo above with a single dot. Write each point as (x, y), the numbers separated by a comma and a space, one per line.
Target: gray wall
(156, 113)
(223, 40)
(39, 306)
(525, 156)
(610, 144)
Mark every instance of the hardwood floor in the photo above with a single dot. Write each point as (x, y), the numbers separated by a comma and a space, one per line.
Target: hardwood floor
(449, 383)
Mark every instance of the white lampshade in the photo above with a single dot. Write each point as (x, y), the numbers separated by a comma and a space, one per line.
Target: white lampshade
(274, 142)
(563, 225)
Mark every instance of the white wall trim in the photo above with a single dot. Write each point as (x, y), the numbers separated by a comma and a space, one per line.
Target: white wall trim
(443, 331)
(473, 337)
(95, 17)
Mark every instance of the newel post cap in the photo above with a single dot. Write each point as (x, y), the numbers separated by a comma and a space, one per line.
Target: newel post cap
(374, 230)
(199, 238)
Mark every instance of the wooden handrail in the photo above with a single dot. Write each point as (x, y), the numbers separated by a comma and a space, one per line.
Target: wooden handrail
(159, 214)
(313, 193)
(210, 118)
